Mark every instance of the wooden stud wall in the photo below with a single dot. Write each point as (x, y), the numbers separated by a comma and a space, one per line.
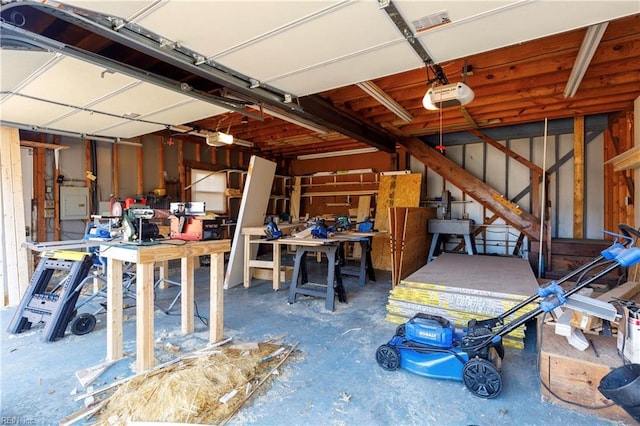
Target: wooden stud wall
(618, 186)
(578, 177)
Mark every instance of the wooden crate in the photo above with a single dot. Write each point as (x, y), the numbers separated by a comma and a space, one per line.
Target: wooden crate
(575, 375)
(286, 272)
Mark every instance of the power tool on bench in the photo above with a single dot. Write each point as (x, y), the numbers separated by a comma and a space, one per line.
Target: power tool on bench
(189, 221)
(430, 345)
(134, 215)
(272, 230)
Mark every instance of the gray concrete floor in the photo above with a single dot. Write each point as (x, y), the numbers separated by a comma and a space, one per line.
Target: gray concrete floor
(334, 380)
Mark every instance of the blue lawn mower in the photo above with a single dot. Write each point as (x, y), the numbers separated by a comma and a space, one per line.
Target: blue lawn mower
(430, 345)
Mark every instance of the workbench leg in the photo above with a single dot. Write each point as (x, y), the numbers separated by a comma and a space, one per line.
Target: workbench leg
(276, 266)
(331, 274)
(163, 274)
(470, 245)
(114, 310)
(434, 245)
(296, 272)
(216, 305)
(145, 352)
(363, 263)
(370, 270)
(247, 259)
(187, 265)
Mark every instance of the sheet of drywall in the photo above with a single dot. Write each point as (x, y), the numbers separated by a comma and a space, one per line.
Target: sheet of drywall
(255, 199)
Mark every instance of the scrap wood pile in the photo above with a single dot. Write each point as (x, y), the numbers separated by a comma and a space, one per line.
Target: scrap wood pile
(460, 287)
(203, 388)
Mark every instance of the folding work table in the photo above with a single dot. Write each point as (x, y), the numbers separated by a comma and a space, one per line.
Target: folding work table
(144, 257)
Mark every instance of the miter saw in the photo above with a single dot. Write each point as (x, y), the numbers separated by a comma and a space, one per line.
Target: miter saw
(189, 221)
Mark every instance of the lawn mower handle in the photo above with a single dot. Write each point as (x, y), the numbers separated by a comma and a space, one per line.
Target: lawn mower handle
(626, 231)
(621, 260)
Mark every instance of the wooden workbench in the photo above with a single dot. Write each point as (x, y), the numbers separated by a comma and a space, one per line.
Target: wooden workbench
(255, 235)
(144, 258)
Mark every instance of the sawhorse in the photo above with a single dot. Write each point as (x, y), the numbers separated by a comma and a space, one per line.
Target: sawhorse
(299, 280)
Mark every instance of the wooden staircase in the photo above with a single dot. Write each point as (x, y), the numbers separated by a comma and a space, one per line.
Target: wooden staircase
(523, 221)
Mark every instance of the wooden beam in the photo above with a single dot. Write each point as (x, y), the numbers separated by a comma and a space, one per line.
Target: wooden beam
(40, 191)
(139, 170)
(33, 144)
(87, 167)
(161, 168)
(116, 181)
(181, 171)
(478, 190)
(294, 205)
(578, 177)
(519, 158)
(56, 193)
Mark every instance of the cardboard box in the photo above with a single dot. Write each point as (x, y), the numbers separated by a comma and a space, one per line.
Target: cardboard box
(584, 322)
(629, 336)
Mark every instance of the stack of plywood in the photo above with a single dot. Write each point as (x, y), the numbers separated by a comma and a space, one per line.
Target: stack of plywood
(409, 240)
(462, 287)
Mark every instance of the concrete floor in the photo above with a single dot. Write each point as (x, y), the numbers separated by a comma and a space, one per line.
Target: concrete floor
(335, 379)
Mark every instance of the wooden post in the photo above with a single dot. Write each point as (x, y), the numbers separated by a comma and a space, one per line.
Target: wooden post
(40, 189)
(198, 151)
(114, 310)
(87, 167)
(187, 285)
(578, 177)
(140, 170)
(116, 181)
(14, 271)
(181, 170)
(161, 168)
(56, 192)
(216, 305)
(145, 356)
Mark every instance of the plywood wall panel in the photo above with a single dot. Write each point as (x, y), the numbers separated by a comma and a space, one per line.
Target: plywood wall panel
(394, 191)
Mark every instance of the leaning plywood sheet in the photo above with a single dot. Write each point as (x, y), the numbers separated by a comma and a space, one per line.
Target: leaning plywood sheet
(255, 199)
(415, 240)
(394, 191)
